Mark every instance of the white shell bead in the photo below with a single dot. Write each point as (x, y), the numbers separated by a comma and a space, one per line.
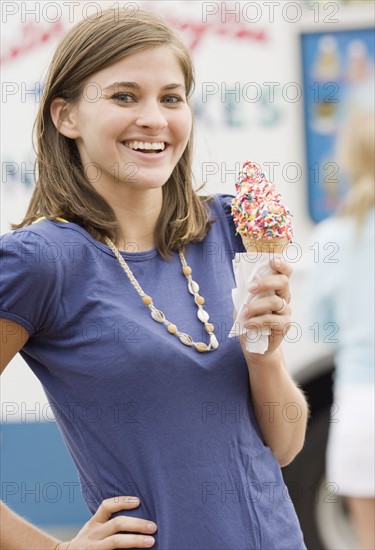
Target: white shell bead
(185, 339)
(158, 315)
(213, 341)
(202, 315)
(193, 287)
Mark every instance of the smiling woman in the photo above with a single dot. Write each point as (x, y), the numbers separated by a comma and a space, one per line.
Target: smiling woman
(98, 115)
(115, 173)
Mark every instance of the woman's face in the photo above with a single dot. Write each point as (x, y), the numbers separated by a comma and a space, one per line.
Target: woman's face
(133, 122)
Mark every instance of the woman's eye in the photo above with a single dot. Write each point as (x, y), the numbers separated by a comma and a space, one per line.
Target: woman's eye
(172, 99)
(123, 98)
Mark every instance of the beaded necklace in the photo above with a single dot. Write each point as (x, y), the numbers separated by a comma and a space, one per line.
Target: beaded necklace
(159, 316)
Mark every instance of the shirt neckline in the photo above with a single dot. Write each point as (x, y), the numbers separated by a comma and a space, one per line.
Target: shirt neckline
(135, 256)
(129, 256)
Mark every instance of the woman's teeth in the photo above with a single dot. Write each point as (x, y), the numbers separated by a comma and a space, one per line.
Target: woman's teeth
(145, 146)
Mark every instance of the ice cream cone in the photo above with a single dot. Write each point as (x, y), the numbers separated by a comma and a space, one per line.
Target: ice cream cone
(259, 214)
(271, 246)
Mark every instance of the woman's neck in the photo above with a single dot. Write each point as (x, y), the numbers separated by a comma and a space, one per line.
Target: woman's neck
(137, 213)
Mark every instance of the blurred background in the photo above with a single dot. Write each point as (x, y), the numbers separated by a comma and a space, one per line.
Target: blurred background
(275, 82)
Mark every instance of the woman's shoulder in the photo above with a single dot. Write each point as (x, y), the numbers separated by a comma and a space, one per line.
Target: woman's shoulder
(48, 239)
(219, 207)
(45, 250)
(342, 229)
(221, 203)
(42, 230)
(31, 249)
(224, 229)
(31, 275)
(330, 227)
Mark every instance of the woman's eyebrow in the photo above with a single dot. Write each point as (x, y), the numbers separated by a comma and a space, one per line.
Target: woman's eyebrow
(134, 86)
(173, 86)
(114, 85)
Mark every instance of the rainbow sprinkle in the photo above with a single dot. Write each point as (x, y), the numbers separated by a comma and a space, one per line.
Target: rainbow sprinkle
(258, 211)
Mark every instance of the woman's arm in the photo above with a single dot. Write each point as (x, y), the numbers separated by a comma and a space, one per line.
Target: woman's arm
(13, 337)
(280, 406)
(16, 533)
(100, 532)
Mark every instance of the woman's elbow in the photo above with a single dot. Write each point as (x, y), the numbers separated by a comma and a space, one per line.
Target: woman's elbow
(284, 458)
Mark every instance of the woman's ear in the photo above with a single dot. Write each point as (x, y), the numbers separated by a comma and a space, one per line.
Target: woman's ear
(63, 116)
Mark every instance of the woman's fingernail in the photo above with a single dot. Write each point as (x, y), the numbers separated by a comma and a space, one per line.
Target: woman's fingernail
(253, 286)
(277, 262)
(245, 311)
(133, 499)
(149, 541)
(151, 526)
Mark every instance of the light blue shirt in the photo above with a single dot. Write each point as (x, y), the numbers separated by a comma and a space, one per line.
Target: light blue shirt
(342, 294)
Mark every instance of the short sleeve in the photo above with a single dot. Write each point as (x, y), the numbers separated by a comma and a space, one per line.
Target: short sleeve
(225, 202)
(30, 280)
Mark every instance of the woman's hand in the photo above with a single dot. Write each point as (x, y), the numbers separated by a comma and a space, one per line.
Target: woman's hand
(103, 533)
(270, 381)
(270, 311)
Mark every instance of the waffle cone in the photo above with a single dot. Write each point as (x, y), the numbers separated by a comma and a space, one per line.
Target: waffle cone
(264, 245)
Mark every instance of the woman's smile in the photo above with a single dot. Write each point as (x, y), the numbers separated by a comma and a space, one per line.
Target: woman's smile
(146, 146)
(143, 149)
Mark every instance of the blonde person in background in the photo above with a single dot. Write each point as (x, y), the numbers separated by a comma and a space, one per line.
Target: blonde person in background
(343, 293)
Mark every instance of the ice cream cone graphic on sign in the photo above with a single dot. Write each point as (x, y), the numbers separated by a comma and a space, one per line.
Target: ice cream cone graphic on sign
(264, 223)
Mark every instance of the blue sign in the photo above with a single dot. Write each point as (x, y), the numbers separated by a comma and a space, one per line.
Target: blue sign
(338, 81)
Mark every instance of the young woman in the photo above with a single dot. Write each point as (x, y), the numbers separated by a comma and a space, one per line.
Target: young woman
(343, 293)
(116, 290)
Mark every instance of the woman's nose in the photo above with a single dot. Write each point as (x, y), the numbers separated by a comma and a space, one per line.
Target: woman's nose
(151, 116)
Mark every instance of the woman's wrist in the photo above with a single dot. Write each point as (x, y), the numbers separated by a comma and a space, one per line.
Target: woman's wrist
(272, 359)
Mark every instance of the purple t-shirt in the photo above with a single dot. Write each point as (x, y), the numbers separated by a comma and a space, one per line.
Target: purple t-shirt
(141, 413)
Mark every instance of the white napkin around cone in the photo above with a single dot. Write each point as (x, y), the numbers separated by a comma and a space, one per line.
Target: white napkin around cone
(249, 267)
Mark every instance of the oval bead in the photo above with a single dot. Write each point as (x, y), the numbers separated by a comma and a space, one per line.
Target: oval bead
(199, 300)
(172, 328)
(158, 315)
(201, 346)
(210, 327)
(193, 287)
(214, 342)
(147, 300)
(186, 339)
(202, 315)
(186, 270)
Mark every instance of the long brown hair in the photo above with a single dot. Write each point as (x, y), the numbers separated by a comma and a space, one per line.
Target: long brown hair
(62, 187)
